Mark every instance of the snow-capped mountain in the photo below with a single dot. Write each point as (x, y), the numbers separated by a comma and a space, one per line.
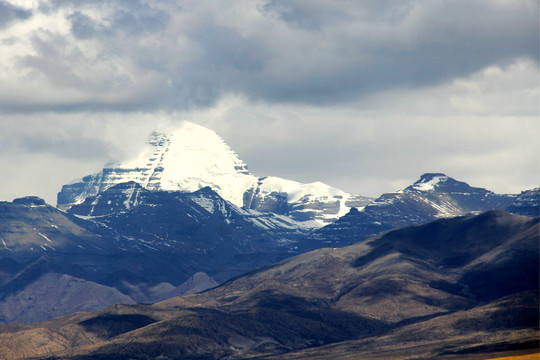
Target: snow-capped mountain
(191, 157)
(450, 197)
(433, 196)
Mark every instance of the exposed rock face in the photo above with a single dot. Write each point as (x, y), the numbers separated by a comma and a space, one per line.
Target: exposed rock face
(191, 157)
(455, 197)
(187, 159)
(527, 203)
(30, 201)
(48, 264)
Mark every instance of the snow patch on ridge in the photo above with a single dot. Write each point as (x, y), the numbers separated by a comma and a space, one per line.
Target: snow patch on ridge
(429, 185)
(297, 191)
(43, 236)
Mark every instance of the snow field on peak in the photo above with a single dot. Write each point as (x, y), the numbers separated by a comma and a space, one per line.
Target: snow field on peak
(297, 191)
(191, 157)
(430, 184)
(198, 157)
(308, 193)
(187, 159)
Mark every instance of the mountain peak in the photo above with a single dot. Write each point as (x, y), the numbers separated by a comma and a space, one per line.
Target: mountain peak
(429, 182)
(430, 176)
(30, 201)
(189, 157)
(185, 158)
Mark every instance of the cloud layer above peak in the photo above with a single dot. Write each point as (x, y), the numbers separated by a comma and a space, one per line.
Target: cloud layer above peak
(363, 95)
(146, 55)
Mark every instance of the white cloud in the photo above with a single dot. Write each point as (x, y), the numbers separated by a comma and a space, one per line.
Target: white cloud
(135, 55)
(365, 96)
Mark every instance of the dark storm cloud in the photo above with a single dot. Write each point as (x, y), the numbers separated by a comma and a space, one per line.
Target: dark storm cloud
(363, 95)
(327, 64)
(131, 55)
(407, 46)
(343, 53)
(226, 61)
(146, 20)
(10, 13)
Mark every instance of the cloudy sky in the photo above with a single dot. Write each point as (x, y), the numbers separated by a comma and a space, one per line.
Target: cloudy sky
(363, 95)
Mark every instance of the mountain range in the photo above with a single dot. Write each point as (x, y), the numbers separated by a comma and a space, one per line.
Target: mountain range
(141, 240)
(303, 265)
(433, 196)
(463, 288)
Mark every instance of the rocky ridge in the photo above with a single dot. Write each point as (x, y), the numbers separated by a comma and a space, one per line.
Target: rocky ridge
(527, 203)
(433, 196)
